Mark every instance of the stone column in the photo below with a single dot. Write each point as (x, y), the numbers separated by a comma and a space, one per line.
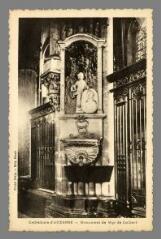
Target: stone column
(61, 185)
(80, 188)
(40, 73)
(75, 189)
(108, 154)
(70, 188)
(86, 189)
(92, 189)
(99, 76)
(62, 76)
(98, 189)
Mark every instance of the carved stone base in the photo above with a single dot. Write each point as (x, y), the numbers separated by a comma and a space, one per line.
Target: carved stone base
(74, 207)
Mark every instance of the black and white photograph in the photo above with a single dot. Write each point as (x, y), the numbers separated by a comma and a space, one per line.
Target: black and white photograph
(80, 147)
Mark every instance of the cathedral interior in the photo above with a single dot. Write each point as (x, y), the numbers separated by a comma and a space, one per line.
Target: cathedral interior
(82, 117)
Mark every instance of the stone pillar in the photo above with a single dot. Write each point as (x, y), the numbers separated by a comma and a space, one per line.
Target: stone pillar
(75, 189)
(58, 179)
(62, 76)
(80, 188)
(99, 76)
(91, 189)
(86, 189)
(108, 154)
(26, 95)
(40, 72)
(60, 162)
(98, 189)
(70, 188)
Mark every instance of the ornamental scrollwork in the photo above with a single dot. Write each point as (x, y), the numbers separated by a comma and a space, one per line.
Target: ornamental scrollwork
(33, 123)
(120, 95)
(84, 148)
(50, 89)
(138, 91)
(131, 78)
(82, 154)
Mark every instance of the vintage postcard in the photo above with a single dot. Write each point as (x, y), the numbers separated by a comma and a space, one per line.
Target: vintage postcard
(80, 120)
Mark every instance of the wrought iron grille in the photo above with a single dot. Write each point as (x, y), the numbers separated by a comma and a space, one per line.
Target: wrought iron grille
(130, 134)
(42, 142)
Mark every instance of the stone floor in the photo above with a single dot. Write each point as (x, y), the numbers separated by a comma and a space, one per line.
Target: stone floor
(39, 204)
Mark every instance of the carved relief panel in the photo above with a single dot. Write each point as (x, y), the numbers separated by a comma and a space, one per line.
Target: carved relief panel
(81, 78)
(50, 89)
